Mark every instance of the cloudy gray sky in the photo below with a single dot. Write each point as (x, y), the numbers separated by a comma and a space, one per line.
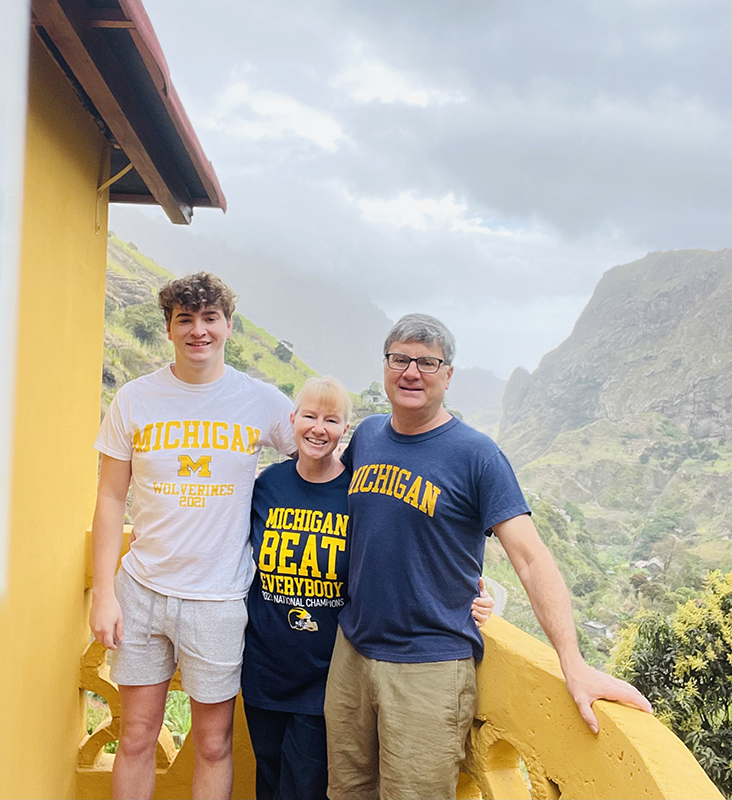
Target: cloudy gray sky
(481, 160)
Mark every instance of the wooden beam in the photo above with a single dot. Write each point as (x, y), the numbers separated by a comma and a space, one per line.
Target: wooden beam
(108, 14)
(65, 26)
(138, 199)
(112, 23)
(147, 199)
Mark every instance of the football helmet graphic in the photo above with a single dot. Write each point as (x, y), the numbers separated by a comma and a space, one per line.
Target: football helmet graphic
(300, 620)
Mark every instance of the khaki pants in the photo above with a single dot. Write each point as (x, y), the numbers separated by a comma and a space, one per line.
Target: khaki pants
(396, 731)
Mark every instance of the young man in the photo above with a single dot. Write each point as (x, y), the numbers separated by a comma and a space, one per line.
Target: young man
(189, 437)
(425, 491)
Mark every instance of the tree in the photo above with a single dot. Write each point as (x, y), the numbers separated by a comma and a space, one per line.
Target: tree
(374, 390)
(287, 388)
(145, 321)
(670, 549)
(234, 355)
(283, 351)
(682, 663)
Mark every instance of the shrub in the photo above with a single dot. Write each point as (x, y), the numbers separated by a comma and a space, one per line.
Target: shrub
(682, 663)
(234, 355)
(145, 321)
(283, 351)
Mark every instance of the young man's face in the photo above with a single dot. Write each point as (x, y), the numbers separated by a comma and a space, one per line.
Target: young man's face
(199, 336)
(413, 390)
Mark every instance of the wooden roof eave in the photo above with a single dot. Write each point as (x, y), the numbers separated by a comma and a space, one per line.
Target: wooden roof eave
(147, 44)
(68, 28)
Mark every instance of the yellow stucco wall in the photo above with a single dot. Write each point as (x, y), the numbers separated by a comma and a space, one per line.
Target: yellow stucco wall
(60, 345)
(524, 710)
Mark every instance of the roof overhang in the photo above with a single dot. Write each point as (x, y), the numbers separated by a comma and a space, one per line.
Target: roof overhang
(110, 52)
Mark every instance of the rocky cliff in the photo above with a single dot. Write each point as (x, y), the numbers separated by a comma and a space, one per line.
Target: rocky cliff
(630, 419)
(656, 337)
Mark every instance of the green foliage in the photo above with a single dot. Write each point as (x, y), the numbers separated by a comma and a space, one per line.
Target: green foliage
(672, 454)
(585, 583)
(95, 715)
(375, 390)
(653, 530)
(287, 388)
(682, 663)
(135, 342)
(97, 711)
(234, 355)
(575, 513)
(178, 716)
(283, 351)
(145, 320)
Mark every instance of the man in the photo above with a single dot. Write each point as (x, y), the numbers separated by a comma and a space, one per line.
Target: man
(425, 490)
(189, 437)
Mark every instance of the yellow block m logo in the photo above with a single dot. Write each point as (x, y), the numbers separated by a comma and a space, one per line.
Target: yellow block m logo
(188, 466)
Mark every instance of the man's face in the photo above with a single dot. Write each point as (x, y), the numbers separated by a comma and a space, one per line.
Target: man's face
(413, 390)
(199, 336)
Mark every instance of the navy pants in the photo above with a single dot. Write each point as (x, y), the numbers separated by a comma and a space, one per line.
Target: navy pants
(291, 754)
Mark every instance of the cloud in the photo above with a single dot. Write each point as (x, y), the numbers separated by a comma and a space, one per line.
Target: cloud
(407, 210)
(665, 119)
(367, 80)
(248, 114)
(485, 161)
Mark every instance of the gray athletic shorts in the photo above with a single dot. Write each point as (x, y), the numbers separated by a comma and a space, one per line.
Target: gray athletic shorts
(206, 637)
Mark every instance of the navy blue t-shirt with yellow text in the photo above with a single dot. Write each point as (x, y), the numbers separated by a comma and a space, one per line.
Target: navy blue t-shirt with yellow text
(420, 508)
(301, 551)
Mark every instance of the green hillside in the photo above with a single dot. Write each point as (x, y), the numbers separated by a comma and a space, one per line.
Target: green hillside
(627, 426)
(135, 342)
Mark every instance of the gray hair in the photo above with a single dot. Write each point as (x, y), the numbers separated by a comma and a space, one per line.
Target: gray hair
(424, 329)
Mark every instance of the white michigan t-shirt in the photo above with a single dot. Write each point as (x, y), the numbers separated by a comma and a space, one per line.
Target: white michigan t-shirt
(194, 451)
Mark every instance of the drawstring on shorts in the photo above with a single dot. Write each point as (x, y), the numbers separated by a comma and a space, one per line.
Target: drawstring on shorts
(150, 617)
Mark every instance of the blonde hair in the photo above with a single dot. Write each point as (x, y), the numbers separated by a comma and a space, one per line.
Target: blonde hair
(328, 392)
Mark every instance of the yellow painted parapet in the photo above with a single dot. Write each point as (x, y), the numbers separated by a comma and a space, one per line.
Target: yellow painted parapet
(525, 712)
(174, 768)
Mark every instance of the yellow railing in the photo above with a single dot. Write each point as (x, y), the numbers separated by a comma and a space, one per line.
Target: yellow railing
(526, 714)
(174, 768)
(527, 740)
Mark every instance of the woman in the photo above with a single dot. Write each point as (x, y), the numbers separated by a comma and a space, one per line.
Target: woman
(299, 518)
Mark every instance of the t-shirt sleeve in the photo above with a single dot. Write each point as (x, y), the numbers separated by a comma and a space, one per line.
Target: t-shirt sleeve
(280, 434)
(501, 497)
(347, 456)
(113, 439)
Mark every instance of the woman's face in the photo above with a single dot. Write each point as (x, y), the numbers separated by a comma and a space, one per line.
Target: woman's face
(317, 429)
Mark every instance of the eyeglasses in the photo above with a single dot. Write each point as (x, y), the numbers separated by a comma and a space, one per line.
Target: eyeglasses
(427, 365)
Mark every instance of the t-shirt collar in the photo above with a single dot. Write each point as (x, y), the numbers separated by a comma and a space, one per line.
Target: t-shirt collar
(415, 438)
(169, 376)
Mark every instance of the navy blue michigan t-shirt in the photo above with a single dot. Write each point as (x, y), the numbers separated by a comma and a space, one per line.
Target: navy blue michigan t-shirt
(301, 550)
(420, 508)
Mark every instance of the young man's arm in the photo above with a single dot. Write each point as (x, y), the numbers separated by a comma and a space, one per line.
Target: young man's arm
(551, 603)
(106, 616)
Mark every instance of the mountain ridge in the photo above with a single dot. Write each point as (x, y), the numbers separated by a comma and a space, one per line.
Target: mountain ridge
(629, 354)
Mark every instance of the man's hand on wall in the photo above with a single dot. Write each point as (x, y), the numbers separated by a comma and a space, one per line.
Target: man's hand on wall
(586, 685)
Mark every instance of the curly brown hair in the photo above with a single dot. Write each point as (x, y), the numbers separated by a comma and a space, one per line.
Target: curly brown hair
(196, 291)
